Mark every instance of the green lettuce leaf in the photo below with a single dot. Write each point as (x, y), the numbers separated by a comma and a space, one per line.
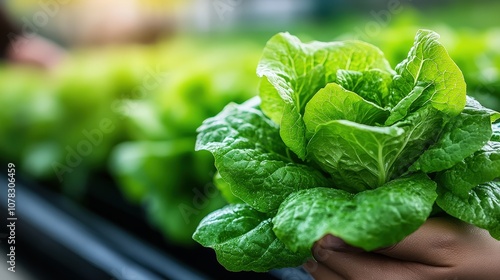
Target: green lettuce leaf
(481, 207)
(243, 239)
(333, 102)
(461, 137)
(292, 72)
(427, 75)
(369, 220)
(358, 157)
(253, 160)
(373, 85)
(482, 167)
(402, 109)
(474, 107)
(361, 157)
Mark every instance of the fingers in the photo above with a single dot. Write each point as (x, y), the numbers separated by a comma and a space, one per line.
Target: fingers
(434, 243)
(319, 271)
(441, 248)
(364, 265)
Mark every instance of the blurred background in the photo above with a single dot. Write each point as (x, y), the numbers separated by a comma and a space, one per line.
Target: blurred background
(100, 101)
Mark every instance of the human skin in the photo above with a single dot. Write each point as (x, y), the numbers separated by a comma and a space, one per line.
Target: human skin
(35, 51)
(442, 248)
(32, 49)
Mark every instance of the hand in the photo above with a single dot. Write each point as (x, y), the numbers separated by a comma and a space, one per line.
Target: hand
(442, 248)
(35, 51)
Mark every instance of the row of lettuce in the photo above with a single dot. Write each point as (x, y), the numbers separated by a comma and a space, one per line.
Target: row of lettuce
(133, 112)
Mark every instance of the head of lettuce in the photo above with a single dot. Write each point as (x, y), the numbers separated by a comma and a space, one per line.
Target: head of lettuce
(341, 143)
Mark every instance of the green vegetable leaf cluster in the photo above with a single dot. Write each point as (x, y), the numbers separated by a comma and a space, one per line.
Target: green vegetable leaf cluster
(340, 143)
